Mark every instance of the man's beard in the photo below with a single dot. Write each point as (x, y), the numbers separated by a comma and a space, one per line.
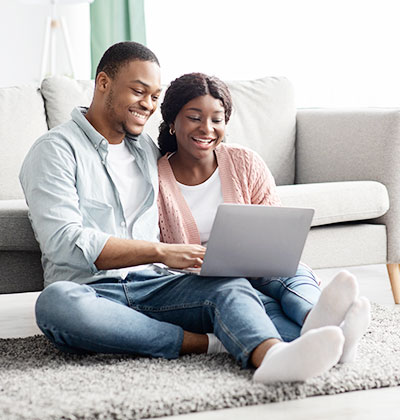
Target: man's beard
(114, 116)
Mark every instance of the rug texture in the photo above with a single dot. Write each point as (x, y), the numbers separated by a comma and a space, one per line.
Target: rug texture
(39, 382)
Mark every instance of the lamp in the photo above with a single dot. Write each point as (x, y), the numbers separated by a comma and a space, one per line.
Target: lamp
(53, 23)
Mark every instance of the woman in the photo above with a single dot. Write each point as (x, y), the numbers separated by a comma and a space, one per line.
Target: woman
(197, 172)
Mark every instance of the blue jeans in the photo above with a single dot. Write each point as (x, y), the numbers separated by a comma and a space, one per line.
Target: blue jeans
(287, 300)
(147, 312)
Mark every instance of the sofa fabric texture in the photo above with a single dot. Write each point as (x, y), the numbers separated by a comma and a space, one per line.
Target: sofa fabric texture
(337, 202)
(62, 94)
(15, 227)
(22, 121)
(353, 145)
(344, 244)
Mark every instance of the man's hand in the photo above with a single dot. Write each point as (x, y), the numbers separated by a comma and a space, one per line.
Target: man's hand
(182, 255)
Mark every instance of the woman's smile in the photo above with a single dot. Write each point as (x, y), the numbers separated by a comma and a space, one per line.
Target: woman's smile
(204, 143)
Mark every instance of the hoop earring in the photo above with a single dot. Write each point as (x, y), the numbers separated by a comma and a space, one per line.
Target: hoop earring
(171, 131)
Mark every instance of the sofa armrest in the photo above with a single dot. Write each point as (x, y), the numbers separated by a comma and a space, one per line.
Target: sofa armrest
(353, 145)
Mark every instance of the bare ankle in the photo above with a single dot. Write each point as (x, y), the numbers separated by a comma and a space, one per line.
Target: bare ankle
(194, 343)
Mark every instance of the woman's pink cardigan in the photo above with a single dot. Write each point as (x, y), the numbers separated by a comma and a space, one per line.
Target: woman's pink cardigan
(245, 179)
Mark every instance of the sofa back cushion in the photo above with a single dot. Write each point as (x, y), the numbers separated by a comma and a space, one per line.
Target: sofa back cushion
(263, 117)
(62, 94)
(22, 121)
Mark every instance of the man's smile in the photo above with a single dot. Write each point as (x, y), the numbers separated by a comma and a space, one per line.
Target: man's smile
(140, 115)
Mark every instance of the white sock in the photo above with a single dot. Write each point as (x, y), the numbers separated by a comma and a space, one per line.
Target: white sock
(335, 300)
(214, 345)
(354, 326)
(309, 355)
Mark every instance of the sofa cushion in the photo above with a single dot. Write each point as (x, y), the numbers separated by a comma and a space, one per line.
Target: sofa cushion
(263, 117)
(22, 121)
(345, 244)
(62, 94)
(336, 202)
(15, 227)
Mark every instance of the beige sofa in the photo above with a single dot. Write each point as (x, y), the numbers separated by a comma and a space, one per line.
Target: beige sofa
(344, 163)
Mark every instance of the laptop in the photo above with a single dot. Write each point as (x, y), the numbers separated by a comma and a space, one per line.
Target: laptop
(248, 240)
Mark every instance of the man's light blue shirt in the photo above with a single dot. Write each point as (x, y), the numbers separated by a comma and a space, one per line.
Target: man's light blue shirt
(74, 206)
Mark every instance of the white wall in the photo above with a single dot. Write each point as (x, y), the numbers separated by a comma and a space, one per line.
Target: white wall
(336, 52)
(22, 31)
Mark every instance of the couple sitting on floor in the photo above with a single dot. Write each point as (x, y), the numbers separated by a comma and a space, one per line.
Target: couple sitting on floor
(100, 198)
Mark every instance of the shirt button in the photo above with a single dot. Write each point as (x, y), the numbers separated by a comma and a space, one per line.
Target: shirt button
(103, 162)
(123, 224)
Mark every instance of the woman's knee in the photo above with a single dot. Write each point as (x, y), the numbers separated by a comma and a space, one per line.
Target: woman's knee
(307, 272)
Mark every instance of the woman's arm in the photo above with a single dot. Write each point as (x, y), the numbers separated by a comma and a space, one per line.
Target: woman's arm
(263, 187)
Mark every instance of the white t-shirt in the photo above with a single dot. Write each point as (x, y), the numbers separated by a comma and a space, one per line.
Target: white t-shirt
(130, 183)
(203, 201)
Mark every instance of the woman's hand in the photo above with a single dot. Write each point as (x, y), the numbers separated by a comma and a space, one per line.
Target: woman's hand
(182, 255)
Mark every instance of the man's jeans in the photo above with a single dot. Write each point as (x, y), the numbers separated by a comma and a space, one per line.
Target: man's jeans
(147, 312)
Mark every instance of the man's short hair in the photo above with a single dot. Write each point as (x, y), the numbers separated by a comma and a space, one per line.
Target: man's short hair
(122, 53)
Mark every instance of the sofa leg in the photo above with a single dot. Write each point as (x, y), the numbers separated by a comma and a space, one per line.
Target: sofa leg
(394, 276)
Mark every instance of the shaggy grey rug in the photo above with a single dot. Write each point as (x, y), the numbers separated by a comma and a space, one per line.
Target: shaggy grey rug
(39, 382)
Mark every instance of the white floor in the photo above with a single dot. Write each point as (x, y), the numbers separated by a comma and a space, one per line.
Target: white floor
(17, 320)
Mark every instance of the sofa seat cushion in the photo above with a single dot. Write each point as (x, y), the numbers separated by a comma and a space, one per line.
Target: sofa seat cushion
(15, 227)
(336, 202)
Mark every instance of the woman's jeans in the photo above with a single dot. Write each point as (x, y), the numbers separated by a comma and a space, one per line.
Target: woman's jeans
(287, 300)
(147, 312)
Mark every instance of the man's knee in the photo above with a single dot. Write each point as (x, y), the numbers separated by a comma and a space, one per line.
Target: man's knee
(235, 288)
(59, 300)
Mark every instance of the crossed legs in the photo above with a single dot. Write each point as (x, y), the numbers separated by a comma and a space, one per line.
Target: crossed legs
(298, 303)
(164, 316)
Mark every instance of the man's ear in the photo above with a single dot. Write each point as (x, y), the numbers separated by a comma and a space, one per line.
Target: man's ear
(102, 81)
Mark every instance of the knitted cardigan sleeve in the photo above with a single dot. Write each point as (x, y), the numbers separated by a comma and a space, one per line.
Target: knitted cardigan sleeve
(263, 187)
(176, 222)
(254, 180)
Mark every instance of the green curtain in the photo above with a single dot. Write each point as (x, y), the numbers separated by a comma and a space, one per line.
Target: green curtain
(115, 21)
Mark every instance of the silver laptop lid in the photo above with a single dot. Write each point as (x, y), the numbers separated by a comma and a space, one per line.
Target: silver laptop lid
(256, 241)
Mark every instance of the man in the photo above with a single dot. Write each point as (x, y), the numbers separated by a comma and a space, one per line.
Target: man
(91, 186)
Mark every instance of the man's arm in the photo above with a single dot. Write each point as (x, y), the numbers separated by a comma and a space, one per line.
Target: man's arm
(118, 253)
(49, 183)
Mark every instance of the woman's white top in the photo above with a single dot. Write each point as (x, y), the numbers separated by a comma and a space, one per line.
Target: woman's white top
(203, 201)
